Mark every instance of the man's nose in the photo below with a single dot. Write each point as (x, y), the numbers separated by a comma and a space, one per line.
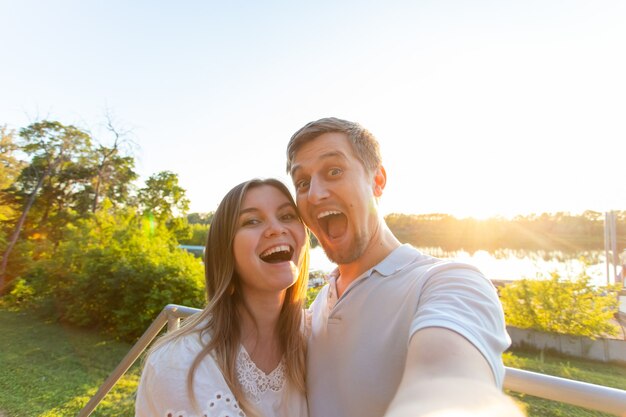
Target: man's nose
(317, 191)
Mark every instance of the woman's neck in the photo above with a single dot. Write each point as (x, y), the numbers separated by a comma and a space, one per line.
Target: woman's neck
(259, 331)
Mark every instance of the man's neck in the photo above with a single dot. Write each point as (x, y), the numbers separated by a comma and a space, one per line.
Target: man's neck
(381, 245)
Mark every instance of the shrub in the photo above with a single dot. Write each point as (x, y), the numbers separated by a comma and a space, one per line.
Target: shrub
(116, 273)
(20, 294)
(562, 306)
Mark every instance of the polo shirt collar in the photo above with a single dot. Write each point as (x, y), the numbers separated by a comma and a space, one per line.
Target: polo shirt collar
(399, 258)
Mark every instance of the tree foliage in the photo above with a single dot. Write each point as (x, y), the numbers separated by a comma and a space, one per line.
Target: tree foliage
(81, 247)
(163, 201)
(115, 273)
(561, 306)
(198, 236)
(56, 153)
(10, 167)
(558, 231)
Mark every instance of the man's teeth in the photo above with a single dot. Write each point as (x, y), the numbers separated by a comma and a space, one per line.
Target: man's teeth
(281, 248)
(327, 213)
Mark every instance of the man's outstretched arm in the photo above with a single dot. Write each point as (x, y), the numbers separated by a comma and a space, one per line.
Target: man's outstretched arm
(444, 376)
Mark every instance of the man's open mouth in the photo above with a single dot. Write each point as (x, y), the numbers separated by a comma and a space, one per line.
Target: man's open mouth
(333, 223)
(277, 254)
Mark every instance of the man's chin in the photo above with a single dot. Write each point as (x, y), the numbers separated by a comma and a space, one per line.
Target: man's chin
(341, 254)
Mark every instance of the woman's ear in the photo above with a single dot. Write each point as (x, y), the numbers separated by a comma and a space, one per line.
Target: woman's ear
(380, 180)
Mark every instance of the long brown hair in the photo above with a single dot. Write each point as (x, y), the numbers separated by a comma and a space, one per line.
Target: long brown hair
(221, 320)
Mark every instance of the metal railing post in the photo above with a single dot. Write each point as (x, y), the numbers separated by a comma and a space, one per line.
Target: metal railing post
(170, 315)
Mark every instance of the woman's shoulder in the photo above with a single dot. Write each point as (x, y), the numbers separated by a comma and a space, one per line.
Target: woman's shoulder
(179, 350)
(171, 361)
(164, 387)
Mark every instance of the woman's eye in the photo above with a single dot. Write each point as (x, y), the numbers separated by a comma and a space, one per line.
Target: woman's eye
(289, 216)
(250, 222)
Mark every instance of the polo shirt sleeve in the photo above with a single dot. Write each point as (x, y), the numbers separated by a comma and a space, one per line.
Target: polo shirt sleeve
(460, 298)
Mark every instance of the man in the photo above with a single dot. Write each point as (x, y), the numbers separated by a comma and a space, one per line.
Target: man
(395, 332)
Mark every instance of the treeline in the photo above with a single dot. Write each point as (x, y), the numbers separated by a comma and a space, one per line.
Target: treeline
(81, 239)
(546, 231)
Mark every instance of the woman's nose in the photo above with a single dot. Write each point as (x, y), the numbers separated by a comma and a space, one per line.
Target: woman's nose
(275, 228)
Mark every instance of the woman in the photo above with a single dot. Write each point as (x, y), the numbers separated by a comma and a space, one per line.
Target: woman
(244, 354)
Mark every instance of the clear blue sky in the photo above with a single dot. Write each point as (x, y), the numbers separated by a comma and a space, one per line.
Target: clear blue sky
(481, 107)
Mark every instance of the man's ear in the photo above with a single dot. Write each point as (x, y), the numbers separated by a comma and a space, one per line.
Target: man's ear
(380, 180)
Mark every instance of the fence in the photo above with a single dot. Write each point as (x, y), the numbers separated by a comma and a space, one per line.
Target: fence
(604, 350)
(591, 396)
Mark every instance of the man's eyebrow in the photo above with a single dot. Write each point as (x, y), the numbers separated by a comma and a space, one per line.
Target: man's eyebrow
(327, 155)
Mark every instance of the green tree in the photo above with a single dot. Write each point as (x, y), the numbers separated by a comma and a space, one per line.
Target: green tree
(163, 201)
(52, 148)
(200, 218)
(561, 306)
(113, 172)
(199, 234)
(10, 168)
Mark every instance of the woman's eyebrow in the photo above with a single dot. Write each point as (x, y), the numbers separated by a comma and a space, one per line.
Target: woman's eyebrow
(248, 210)
(256, 210)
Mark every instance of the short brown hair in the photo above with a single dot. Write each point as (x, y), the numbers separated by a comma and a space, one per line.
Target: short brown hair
(364, 144)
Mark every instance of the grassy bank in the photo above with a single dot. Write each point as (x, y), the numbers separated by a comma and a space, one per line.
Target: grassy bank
(51, 370)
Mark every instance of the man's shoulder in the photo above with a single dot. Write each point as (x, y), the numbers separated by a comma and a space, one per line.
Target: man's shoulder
(424, 266)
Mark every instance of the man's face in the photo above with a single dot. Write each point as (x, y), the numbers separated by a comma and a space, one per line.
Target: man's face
(336, 196)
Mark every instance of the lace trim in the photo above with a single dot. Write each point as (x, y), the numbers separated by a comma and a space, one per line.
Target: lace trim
(254, 381)
(220, 405)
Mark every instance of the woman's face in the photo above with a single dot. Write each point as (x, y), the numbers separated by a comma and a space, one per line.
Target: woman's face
(269, 241)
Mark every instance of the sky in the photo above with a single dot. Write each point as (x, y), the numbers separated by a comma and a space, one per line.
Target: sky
(482, 108)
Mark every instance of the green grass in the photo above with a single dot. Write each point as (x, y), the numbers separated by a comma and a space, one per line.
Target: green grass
(607, 374)
(52, 370)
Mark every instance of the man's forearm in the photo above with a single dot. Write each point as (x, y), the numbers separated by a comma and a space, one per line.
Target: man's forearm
(447, 397)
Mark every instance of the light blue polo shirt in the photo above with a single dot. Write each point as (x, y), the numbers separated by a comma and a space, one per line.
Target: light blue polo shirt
(358, 343)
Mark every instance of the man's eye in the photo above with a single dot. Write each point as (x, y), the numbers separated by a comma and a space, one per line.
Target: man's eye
(333, 172)
(302, 185)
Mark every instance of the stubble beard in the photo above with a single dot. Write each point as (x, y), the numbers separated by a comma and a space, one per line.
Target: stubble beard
(350, 254)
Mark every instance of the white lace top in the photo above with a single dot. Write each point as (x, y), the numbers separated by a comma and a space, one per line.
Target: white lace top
(162, 390)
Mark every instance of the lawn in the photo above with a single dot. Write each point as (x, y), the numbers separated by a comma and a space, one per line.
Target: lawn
(51, 370)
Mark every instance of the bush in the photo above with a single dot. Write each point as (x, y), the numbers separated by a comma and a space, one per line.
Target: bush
(116, 273)
(20, 294)
(561, 306)
(199, 234)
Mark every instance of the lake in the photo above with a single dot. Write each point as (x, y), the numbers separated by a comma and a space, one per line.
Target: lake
(501, 264)
(510, 264)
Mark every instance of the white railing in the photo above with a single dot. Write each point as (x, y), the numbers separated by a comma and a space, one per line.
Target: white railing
(582, 394)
